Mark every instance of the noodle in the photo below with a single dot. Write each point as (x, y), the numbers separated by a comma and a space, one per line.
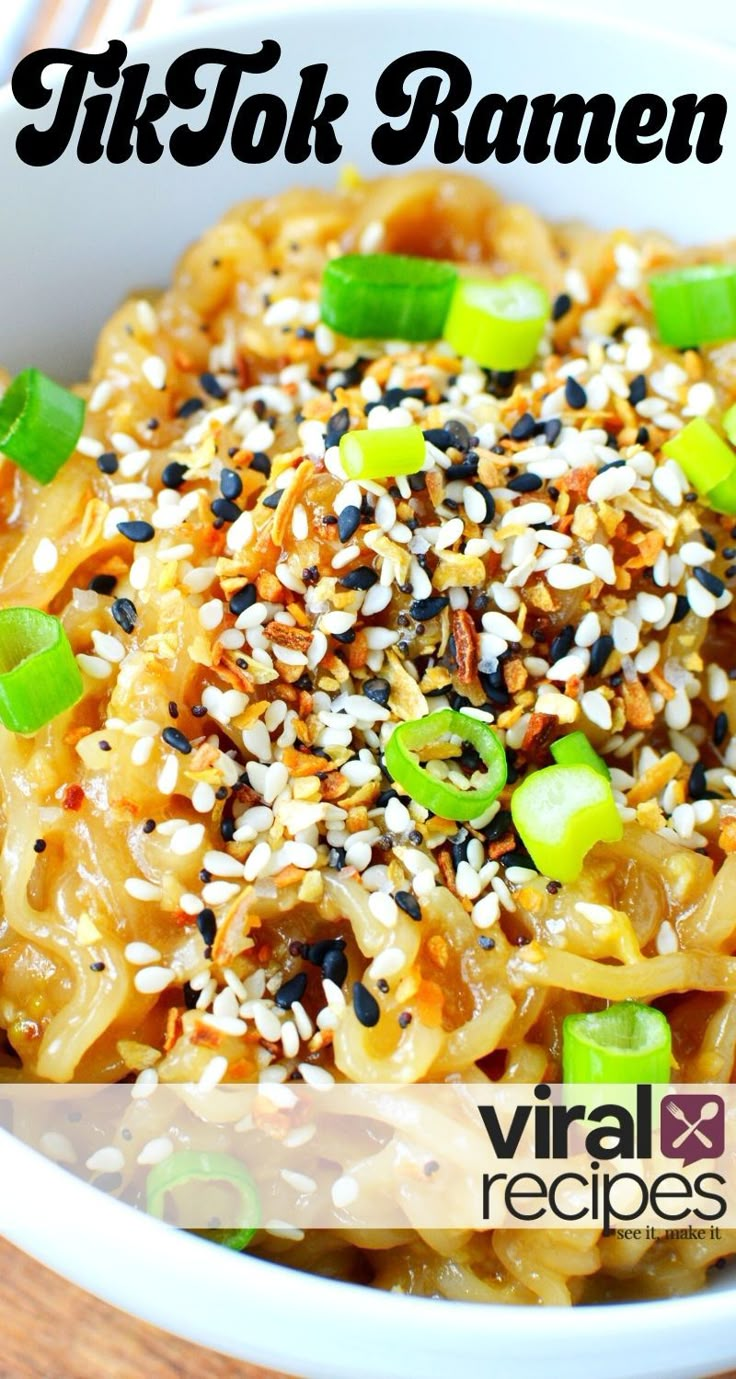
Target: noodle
(274, 817)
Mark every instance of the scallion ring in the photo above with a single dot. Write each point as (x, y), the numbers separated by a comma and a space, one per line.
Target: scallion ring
(442, 797)
(39, 676)
(387, 296)
(626, 1043)
(40, 424)
(560, 813)
(189, 1166)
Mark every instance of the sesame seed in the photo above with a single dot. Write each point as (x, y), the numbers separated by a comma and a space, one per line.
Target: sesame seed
(568, 577)
(136, 531)
(151, 980)
(291, 991)
(45, 556)
(709, 581)
(141, 954)
(575, 395)
(107, 463)
(406, 902)
(187, 839)
(174, 737)
(365, 1005)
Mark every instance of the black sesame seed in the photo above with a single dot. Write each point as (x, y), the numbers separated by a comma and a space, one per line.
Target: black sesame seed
(487, 942)
(682, 608)
(207, 925)
(362, 578)
(104, 745)
(39, 845)
(575, 395)
(345, 638)
(409, 904)
(562, 643)
(136, 531)
(709, 581)
(188, 408)
(466, 469)
(225, 509)
(637, 389)
(729, 552)
(709, 540)
(211, 386)
(552, 429)
(524, 428)
(348, 522)
(291, 991)
(205, 876)
(561, 305)
(691, 496)
(335, 966)
(173, 709)
(525, 483)
(405, 1018)
(174, 475)
(227, 829)
(245, 598)
(499, 825)
(337, 425)
(439, 436)
(125, 614)
(697, 783)
(102, 584)
(365, 1005)
(642, 436)
(336, 858)
(174, 737)
(489, 501)
(190, 997)
(378, 690)
(423, 609)
(221, 791)
(107, 463)
(149, 825)
(199, 711)
(98, 967)
(261, 463)
(720, 728)
(273, 499)
(231, 484)
(317, 952)
(730, 571)
(600, 652)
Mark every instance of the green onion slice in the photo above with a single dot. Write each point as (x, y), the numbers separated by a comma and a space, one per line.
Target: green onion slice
(387, 296)
(695, 305)
(560, 813)
(707, 461)
(498, 324)
(190, 1166)
(383, 453)
(628, 1042)
(39, 677)
(40, 424)
(576, 750)
(441, 797)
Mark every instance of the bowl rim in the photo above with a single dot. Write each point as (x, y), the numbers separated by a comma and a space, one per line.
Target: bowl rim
(38, 1183)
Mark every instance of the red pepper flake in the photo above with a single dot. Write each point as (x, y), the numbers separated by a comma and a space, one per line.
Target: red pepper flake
(73, 797)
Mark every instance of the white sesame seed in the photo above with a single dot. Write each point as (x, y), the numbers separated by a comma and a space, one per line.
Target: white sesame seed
(611, 484)
(302, 1020)
(168, 776)
(695, 553)
(257, 861)
(718, 684)
(141, 954)
(109, 1159)
(475, 505)
(588, 631)
(388, 963)
(701, 398)
(203, 798)
(397, 816)
(219, 892)
(344, 1191)
(650, 606)
(683, 820)
(94, 666)
(290, 1039)
(568, 577)
(87, 446)
(107, 646)
(599, 559)
(155, 1151)
(701, 600)
(211, 614)
(187, 839)
(486, 911)
(467, 881)
(501, 626)
(220, 863)
(140, 572)
(45, 556)
(213, 1074)
(140, 889)
(666, 940)
(625, 635)
(141, 750)
(153, 369)
(383, 907)
(569, 667)
(58, 1147)
(151, 980)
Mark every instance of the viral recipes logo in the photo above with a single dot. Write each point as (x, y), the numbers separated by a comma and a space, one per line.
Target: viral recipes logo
(618, 1157)
(102, 109)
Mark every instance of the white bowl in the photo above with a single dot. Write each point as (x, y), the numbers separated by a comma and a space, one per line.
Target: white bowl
(73, 240)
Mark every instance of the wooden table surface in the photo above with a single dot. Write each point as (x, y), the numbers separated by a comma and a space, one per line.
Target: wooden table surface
(51, 1330)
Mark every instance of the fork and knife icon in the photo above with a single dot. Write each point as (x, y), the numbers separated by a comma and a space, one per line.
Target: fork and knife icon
(708, 1112)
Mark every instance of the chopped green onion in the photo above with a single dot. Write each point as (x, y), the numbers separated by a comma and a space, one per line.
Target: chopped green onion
(628, 1042)
(39, 677)
(387, 296)
(40, 424)
(498, 324)
(707, 461)
(576, 750)
(729, 424)
(696, 304)
(192, 1166)
(560, 813)
(383, 453)
(440, 796)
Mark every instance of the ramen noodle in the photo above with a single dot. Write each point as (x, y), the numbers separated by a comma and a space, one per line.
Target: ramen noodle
(213, 819)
